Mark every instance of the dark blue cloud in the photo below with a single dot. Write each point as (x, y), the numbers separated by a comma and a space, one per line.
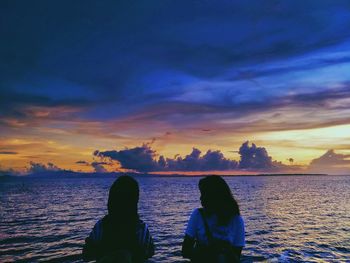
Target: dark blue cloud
(117, 51)
(210, 161)
(254, 157)
(144, 159)
(139, 158)
(180, 65)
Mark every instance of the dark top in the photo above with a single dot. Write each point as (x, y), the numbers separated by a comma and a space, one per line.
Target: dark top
(104, 241)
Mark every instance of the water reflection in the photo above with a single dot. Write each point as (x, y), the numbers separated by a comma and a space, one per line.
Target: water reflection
(287, 218)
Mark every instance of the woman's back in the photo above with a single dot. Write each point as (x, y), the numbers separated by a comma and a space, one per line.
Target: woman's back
(215, 233)
(107, 242)
(120, 234)
(232, 232)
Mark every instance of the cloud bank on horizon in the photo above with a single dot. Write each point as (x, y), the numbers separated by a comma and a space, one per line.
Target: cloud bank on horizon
(144, 159)
(252, 158)
(84, 75)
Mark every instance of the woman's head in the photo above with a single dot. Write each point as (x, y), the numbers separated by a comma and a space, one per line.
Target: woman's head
(122, 218)
(123, 197)
(216, 197)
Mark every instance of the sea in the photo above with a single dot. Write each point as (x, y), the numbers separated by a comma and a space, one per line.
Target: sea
(287, 218)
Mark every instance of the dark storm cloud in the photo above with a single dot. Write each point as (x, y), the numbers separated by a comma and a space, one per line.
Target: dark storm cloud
(144, 159)
(139, 54)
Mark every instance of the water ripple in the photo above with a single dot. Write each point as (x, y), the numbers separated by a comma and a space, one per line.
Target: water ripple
(288, 219)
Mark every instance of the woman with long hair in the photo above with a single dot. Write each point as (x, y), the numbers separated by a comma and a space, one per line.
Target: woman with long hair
(120, 236)
(215, 233)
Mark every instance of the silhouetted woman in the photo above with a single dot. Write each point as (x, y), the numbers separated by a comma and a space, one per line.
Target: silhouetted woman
(215, 233)
(120, 236)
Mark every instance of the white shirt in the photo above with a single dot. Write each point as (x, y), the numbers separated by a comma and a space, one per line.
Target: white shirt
(233, 232)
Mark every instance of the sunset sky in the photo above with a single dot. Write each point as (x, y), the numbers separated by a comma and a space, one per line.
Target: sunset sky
(115, 85)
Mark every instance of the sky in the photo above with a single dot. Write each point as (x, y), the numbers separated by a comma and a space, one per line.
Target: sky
(163, 86)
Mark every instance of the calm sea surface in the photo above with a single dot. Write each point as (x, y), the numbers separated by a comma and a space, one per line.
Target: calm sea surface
(288, 219)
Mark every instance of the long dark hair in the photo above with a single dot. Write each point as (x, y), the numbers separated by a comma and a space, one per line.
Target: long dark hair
(217, 198)
(123, 199)
(120, 223)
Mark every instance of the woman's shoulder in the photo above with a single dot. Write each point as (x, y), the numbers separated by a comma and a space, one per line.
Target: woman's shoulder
(237, 220)
(195, 214)
(96, 233)
(197, 211)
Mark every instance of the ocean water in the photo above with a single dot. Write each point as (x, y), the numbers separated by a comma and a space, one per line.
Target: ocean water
(288, 219)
